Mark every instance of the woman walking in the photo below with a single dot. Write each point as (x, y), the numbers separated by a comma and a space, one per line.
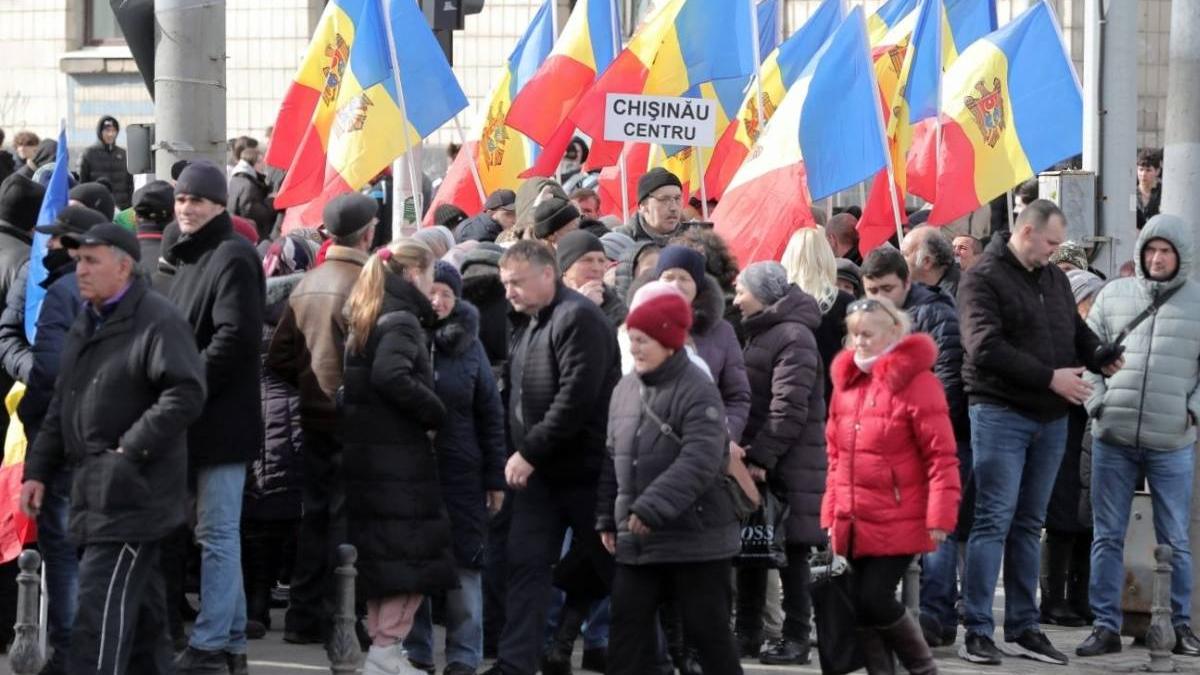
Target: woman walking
(393, 498)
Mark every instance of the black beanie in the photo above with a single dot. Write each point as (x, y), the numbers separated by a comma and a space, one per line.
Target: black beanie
(348, 213)
(575, 245)
(553, 215)
(94, 196)
(654, 179)
(676, 256)
(445, 273)
(20, 201)
(204, 179)
(449, 216)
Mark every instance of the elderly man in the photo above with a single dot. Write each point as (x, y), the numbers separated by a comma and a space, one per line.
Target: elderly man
(660, 208)
(930, 259)
(582, 263)
(967, 250)
(842, 233)
(130, 385)
(499, 214)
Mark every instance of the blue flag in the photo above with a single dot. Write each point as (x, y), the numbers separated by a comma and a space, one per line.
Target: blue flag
(52, 203)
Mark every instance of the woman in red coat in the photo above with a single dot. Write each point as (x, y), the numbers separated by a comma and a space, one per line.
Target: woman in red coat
(892, 488)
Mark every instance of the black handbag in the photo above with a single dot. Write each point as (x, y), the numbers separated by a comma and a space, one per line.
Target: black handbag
(831, 584)
(764, 534)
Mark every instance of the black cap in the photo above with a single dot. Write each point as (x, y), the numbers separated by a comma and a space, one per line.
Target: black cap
(20, 201)
(653, 180)
(348, 213)
(73, 219)
(553, 215)
(204, 179)
(94, 196)
(106, 234)
(575, 245)
(155, 200)
(501, 199)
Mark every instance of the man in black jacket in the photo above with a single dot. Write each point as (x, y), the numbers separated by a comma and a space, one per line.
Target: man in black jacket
(130, 384)
(1024, 345)
(219, 288)
(106, 159)
(562, 372)
(499, 214)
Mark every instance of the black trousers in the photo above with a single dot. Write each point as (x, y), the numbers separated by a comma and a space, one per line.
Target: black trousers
(121, 623)
(797, 599)
(875, 581)
(495, 575)
(540, 517)
(699, 590)
(264, 543)
(311, 602)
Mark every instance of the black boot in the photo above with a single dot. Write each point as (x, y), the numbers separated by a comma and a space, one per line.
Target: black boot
(1056, 559)
(260, 563)
(904, 637)
(557, 658)
(878, 659)
(1079, 575)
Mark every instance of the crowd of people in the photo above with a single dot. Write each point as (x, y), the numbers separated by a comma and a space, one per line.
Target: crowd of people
(529, 421)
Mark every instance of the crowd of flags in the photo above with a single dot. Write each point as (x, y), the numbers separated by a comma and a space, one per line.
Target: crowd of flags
(923, 97)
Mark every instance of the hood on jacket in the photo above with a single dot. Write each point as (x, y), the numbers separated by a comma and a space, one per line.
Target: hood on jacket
(709, 306)
(912, 355)
(794, 307)
(626, 267)
(526, 196)
(456, 333)
(244, 168)
(46, 152)
(1177, 233)
(100, 126)
(920, 294)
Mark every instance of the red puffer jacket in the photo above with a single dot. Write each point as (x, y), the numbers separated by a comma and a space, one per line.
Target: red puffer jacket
(893, 467)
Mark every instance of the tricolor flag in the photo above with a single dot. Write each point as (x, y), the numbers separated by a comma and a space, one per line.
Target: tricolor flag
(778, 72)
(500, 153)
(810, 147)
(1011, 106)
(343, 120)
(680, 45)
(887, 18)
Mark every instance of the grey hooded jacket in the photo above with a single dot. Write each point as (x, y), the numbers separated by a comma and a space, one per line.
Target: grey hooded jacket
(1147, 403)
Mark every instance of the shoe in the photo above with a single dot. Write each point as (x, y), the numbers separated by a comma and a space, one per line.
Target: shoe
(556, 660)
(388, 661)
(1186, 643)
(296, 637)
(595, 659)
(905, 639)
(427, 668)
(1101, 641)
(1033, 644)
(57, 665)
(749, 646)
(255, 630)
(237, 664)
(980, 649)
(877, 658)
(931, 629)
(194, 661)
(280, 595)
(949, 635)
(458, 669)
(1060, 613)
(785, 652)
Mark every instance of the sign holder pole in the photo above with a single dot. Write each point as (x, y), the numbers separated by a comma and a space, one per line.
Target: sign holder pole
(616, 33)
(397, 204)
(696, 150)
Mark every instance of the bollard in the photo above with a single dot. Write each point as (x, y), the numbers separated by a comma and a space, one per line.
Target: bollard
(343, 650)
(25, 656)
(910, 588)
(1160, 638)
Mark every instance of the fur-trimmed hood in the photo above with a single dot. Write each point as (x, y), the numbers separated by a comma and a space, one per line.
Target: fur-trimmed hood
(912, 355)
(456, 333)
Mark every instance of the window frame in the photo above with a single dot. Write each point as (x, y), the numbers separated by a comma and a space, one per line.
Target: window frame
(89, 21)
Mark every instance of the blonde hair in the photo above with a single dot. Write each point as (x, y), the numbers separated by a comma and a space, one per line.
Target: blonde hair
(366, 298)
(877, 307)
(810, 265)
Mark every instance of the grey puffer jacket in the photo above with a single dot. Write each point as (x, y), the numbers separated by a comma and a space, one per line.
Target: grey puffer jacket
(674, 485)
(1146, 404)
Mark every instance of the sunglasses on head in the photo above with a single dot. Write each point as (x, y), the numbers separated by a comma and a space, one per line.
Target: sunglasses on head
(869, 305)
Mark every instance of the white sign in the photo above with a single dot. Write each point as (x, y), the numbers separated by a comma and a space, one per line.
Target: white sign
(664, 120)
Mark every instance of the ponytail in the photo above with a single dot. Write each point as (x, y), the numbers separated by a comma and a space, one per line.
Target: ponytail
(366, 298)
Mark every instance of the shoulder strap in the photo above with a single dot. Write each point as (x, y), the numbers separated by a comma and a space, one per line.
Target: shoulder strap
(662, 426)
(1151, 309)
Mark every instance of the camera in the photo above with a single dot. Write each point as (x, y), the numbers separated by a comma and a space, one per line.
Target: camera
(1108, 354)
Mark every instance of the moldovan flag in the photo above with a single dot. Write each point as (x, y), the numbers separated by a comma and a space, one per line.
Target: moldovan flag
(16, 529)
(500, 152)
(1011, 106)
(680, 45)
(810, 147)
(779, 71)
(341, 123)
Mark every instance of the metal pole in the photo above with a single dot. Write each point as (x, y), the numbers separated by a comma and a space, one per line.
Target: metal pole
(700, 176)
(414, 183)
(616, 33)
(1181, 166)
(1008, 196)
(189, 82)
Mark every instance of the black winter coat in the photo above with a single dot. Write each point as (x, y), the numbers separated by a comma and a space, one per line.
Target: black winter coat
(218, 286)
(674, 485)
(396, 515)
(785, 433)
(135, 383)
(16, 354)
(562, 372)
(150, 240)
(1070, 500)
(14, 255)
(933, 312)
(831, 336)
(59, 309)
(486, 293)
(248, 198)
(1018, 326)
(108, 162)
(480, 227)
(470, 444)
(614, 308)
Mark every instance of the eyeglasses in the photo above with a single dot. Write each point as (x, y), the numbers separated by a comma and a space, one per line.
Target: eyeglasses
(668, 199)
(870, 305)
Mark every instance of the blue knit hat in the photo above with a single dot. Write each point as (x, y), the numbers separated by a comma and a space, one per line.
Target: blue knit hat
(444, 273)
(684, 258)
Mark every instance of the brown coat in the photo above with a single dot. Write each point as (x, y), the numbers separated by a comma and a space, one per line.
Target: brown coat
(310, 342)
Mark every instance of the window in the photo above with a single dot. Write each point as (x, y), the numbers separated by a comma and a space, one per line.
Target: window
(100, 24)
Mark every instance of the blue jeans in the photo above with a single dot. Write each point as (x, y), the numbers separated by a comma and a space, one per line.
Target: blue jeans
(1016, 462)
(1114, 472)
(221, 625)
(464, 624)
(939, 569)
(62, 562)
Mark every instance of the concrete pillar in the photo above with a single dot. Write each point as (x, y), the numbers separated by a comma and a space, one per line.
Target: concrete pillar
(1181, 162)
(189, 82)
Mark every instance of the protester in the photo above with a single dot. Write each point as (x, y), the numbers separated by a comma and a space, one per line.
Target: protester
(581, 261)
(849, 278)
(471, 452)
(249, 194)
(930, 259)
(450, 217)
(154, 209)
(105, 159)
(438, 239)
(720, 264)
(553, 219)
(663, 511)
(587, 201)
(499, 214)
(660, 202)
(390, 406)
(615, 245)
(20, 200)
(842, 235)
(563, 367)
(482, 288)
(967, 250)
(1023, 341)
(218, 287)
(307, 351)
(1149, 184)
(131, 384)
(94, 196)
(1070, 256)
(1145, 424)
(810, 265)
(785, 446)
(43, 156)
(888, 418)
(25, 145)
(637, 261)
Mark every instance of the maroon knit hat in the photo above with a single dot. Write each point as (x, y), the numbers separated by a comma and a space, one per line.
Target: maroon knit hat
(661, 311)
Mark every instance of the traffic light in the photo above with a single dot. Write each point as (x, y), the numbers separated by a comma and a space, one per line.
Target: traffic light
(445, 17)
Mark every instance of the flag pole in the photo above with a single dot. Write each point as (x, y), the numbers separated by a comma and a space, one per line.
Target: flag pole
(758, 90)
(1011, 217)
(554, 21)
(397, 204)
(616, 45)
(700, 174)
(937, 114)
(887, 153)
(462, 138)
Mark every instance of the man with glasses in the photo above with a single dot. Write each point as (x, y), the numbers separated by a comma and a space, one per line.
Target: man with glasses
(660, 208)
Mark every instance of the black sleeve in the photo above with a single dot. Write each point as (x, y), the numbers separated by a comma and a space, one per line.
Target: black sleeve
(941, 323)
(393, 370)
(1086, 343)
(59, 310)
(15, 355)
(237, 318)
(984, 339)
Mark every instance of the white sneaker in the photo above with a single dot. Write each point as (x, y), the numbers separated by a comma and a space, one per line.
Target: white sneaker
(389, 661)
